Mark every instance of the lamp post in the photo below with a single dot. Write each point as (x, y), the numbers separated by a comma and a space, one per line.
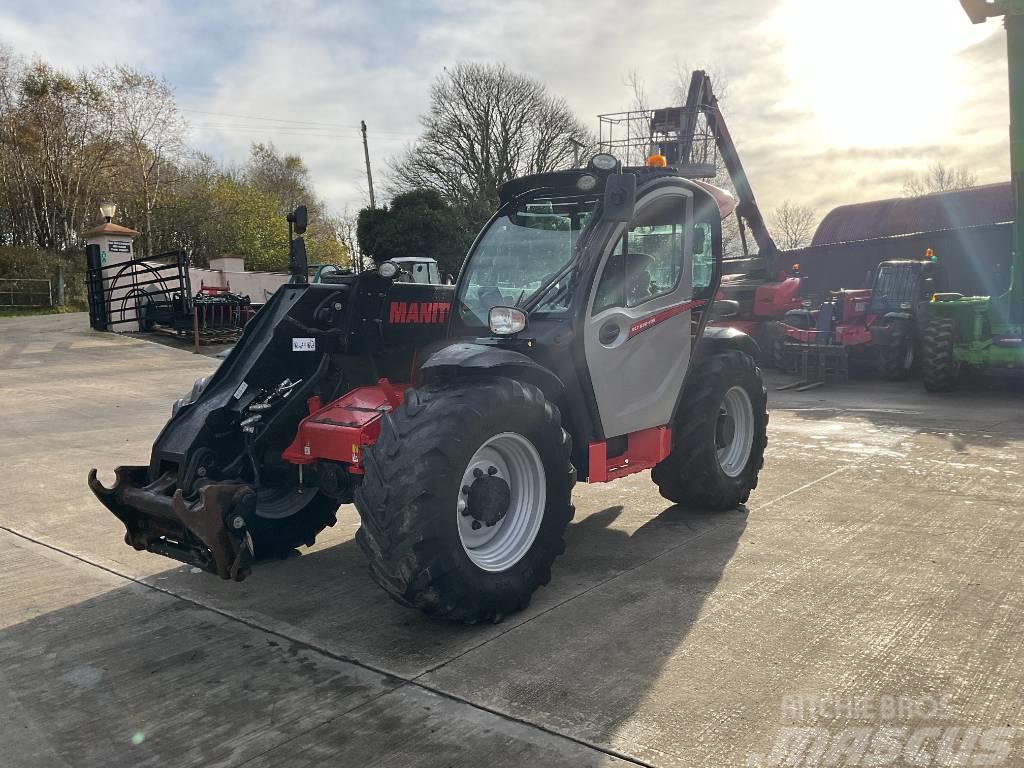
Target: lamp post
(107, 211)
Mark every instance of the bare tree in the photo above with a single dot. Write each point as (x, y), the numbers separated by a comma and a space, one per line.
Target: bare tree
(939, 178)
(152, 131)
(345, 227)
(636, 85)
(793, 225)
(55, 142)
(486, 125)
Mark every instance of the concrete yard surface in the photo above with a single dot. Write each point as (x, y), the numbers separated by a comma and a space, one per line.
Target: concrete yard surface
(865, 608)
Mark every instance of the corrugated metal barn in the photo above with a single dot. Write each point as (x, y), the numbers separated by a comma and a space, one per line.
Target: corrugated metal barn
(970, 230)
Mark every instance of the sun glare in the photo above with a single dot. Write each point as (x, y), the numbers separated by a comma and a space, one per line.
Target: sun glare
(878, 73)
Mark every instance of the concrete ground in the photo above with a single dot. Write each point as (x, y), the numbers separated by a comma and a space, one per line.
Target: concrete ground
(872, 583)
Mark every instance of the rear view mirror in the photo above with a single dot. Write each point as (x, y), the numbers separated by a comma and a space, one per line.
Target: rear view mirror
(299, 218)
(620, 197)
(297, 263)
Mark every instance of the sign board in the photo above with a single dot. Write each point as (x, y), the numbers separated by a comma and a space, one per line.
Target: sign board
(119, 246)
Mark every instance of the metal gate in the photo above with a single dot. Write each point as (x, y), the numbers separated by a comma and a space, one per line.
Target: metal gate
(125, 296)
(25, 292)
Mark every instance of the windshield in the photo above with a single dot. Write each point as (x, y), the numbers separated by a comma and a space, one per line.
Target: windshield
(520, 251)
(895, 284)
(419, 272)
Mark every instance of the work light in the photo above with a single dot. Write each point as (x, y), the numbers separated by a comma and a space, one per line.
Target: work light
(506, 321)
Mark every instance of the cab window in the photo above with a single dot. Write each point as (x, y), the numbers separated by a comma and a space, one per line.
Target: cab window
(648, 260)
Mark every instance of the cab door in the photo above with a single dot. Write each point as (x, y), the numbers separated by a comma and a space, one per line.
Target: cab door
(637, 333)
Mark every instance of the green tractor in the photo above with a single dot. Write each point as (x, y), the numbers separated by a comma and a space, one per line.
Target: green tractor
(986, 331)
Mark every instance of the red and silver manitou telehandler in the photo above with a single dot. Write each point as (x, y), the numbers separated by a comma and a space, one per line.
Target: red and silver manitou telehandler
(575, 344)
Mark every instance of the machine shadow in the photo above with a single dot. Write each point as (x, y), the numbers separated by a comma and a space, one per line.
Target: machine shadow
(585, 655)
(581, 659)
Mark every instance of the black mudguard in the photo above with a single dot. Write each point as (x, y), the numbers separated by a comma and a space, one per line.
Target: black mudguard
(719, 339)
(467, 358)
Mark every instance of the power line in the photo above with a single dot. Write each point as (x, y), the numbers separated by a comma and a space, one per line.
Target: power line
(298, 132)
(272, 119)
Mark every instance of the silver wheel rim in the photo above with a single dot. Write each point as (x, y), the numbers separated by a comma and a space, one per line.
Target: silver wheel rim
(734, 432)
(498, 547)
(908, 358)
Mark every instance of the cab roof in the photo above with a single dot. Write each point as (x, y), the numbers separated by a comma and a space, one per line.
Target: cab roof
(564, 183)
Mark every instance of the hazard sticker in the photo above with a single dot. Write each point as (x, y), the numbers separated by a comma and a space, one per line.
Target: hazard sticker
(241, 390)
(303, 345)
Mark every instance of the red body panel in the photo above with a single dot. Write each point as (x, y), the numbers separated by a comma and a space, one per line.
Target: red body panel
(855, 305)
(852, 329)
(776, 299)
(339, 430)
(644, 449)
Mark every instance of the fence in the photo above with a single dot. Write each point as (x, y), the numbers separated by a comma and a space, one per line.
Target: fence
(25, 292)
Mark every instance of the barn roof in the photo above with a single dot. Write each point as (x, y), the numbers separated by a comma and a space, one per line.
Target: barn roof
(988, 204)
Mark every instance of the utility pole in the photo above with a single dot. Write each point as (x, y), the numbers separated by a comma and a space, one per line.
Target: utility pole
(577, 146)
(366, 154)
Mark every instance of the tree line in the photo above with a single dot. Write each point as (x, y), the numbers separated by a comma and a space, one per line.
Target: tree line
(70, 140)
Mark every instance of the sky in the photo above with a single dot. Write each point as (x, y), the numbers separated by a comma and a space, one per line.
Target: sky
(830, 102)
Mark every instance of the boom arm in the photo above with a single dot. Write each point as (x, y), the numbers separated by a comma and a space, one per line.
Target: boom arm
(701, 99)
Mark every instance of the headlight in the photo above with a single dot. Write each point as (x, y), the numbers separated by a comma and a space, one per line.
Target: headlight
(506, 321)
(604, 162)
(387, 270)
(586, 182)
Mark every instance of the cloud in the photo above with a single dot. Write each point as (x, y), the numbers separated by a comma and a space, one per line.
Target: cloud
(327, 65)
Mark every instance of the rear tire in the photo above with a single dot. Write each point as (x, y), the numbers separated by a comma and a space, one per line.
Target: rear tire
(706, 468)
(412, 499)
(897, 359)
(939, 367)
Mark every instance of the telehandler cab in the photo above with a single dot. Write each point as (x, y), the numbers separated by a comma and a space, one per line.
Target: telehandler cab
(458, 418)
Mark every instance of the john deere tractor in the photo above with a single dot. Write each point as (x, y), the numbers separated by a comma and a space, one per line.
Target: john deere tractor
(457, 419)
(986, 331)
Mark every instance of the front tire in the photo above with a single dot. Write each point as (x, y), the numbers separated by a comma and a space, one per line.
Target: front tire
(490, 451)
(939, 367)
(896, 359)
(719, 435)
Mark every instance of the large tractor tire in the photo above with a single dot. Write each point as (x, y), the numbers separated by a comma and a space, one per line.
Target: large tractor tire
(897, 359)
(719, 435)
(939, 367)
(466, 498)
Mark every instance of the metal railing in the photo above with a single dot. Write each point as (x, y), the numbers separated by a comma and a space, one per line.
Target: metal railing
(25, 292)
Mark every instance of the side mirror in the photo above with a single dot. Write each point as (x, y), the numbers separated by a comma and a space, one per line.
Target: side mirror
(299, 219)
(297, 262)
(620, 197)
(725, 308)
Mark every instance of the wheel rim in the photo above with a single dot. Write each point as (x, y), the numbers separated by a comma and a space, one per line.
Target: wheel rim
(512, 458)
(734, 432)
(908, 358)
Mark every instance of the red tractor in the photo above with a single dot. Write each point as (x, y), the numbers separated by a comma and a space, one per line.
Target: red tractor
(880, 325)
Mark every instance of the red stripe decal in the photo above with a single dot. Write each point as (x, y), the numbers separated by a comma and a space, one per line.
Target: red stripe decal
(649, 322)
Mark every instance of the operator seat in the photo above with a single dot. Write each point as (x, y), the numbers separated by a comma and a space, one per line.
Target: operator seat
(626, 281)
